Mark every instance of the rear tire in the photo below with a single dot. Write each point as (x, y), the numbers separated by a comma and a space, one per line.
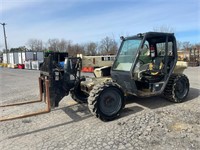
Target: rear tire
(177, 88)
(106, 101)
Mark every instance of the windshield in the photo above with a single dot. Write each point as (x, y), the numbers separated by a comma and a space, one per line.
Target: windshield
(126, 55)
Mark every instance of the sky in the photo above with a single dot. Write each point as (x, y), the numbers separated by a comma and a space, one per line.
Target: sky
(84, 21)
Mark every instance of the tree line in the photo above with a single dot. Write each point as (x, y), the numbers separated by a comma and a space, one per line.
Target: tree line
(106, 46)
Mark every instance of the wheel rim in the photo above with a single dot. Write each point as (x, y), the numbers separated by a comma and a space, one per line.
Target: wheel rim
(181, 88)
(110, 102)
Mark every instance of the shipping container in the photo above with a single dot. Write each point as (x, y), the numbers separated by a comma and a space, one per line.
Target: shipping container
(5, 58)
(28, 56)
(21, 57)
(40, 56)
(13, 58)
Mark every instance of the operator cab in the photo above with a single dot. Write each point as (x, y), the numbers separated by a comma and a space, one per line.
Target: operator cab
(144, 62)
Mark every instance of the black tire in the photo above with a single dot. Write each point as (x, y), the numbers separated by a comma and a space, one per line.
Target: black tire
(177, 88)
(106, 101)
(78, 95)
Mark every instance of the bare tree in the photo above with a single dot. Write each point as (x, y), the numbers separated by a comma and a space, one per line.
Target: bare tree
(108, 46)
(63, 45)
(57, 45)
(186, 45)
(35, 44)
(75, 49)
(91, 48)
(179, 45)
(53, 44)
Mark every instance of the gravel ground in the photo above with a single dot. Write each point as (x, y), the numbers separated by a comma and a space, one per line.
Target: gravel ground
(150, 123)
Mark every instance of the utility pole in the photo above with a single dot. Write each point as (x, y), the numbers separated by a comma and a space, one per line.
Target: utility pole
(4, 30)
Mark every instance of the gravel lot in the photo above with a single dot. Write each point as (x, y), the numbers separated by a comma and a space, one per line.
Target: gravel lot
(150, 123)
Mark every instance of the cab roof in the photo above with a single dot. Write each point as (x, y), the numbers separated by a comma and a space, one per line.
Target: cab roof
(149, 34)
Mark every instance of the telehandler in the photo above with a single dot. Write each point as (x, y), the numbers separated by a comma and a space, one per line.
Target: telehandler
(145, 65)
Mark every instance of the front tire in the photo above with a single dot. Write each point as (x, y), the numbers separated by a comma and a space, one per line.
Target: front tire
(106, 101)
(177, 88)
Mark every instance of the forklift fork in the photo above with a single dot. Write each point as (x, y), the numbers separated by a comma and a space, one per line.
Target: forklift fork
(46, 100)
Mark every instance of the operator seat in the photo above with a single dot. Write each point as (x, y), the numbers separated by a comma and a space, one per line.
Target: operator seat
(156, 66)
(154, 72)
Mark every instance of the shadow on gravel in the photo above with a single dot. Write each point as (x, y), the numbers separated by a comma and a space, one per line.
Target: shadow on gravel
(130, 110)
(159, 101)
(76, 112)
(193, 93)
(151, 102)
